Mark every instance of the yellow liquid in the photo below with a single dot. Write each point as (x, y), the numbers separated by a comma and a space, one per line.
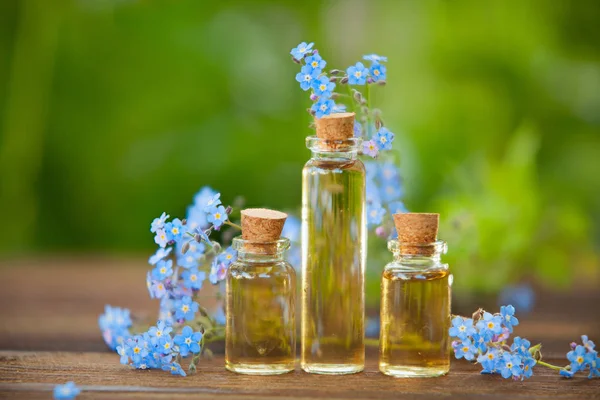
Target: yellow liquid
(333, 246)
(415, 318)
(261, 321)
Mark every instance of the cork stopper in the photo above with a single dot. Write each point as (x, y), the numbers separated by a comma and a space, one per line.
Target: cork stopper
(337, 126)
(261, 225)
(416, 230)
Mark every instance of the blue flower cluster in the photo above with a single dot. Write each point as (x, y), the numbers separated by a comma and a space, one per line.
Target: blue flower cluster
(184, 260)
(115, 324)
(311, 77)
(158, 348)
(484, 337)
(384, 196)
(194, 253)
(582, 357)
(68, 391)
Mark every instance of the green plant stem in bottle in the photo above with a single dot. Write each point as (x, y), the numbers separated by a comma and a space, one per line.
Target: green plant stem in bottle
(415, 301)
(261, 299)
(334, 250)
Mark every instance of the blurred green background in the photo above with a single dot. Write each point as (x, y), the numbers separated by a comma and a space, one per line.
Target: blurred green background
(114, 111)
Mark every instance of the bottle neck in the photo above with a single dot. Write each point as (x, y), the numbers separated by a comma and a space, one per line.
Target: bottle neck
(334, 150)
(260, 252)
(410, 253)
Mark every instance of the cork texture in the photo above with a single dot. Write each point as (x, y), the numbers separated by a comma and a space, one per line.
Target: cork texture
(338, 126)
(415, 230)
(261, 225)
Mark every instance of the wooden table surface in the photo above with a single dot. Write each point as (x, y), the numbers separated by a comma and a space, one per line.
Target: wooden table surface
(49, 335)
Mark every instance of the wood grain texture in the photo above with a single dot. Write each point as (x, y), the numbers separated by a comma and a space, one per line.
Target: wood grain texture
(102, 373)
(49, 335)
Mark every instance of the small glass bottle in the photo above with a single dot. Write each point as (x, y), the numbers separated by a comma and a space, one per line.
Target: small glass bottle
(415, 301)
(260, 337)
(333, 250)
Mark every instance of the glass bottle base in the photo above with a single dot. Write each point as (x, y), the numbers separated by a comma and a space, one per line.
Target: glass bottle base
(333, 369)
(260, 369)
(405, 371)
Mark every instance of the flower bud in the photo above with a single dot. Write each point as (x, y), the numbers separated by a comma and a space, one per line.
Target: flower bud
(296, 60)
(216, 247)
(315, 51)
(311, 112)
(344, 80)
(228, 210)
(357, 96)
(335, 72)
(198, 238)
(573, 345)
(185, 247)
(380, 231)
(184, 221)
(370, 80)
(334, 96)
(333, 79)
(313, 97)
(170, 243)
(381, 83)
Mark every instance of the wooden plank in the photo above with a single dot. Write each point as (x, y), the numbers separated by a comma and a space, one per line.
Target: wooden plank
(54, 304)
(101, 372)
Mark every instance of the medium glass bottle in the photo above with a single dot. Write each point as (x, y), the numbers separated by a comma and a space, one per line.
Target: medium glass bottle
(415, 310)
(333, 250)
(261, 301)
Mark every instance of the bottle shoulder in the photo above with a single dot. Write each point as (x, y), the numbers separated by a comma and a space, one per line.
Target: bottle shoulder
(336, 166)
(245, 269)
(420, 270)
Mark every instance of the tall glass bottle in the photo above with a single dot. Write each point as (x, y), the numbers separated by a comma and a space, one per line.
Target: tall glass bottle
(415, 302)
(261, 299)
(333, 250)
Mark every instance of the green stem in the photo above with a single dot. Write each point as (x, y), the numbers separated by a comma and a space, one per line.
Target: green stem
(545, 364)
(234, 225)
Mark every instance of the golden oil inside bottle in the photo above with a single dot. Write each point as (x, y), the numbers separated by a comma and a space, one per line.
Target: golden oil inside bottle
(415, 318)
(261, 324)
(333, 245)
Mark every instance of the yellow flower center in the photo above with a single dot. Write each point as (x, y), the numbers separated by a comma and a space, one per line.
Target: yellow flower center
(579, 360)
(383, 139)
(462, 328)
(358, 74)
(315, 64)
(193, 277)
(509, 365)
(218, 215)
(136, 350)
(185, 308)
(167, 345)
(163, 270)
(158, 333)
(466, 349)
(491, 356)
(376, 72)
(175, 231)
(322, 88)
(490, 325)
